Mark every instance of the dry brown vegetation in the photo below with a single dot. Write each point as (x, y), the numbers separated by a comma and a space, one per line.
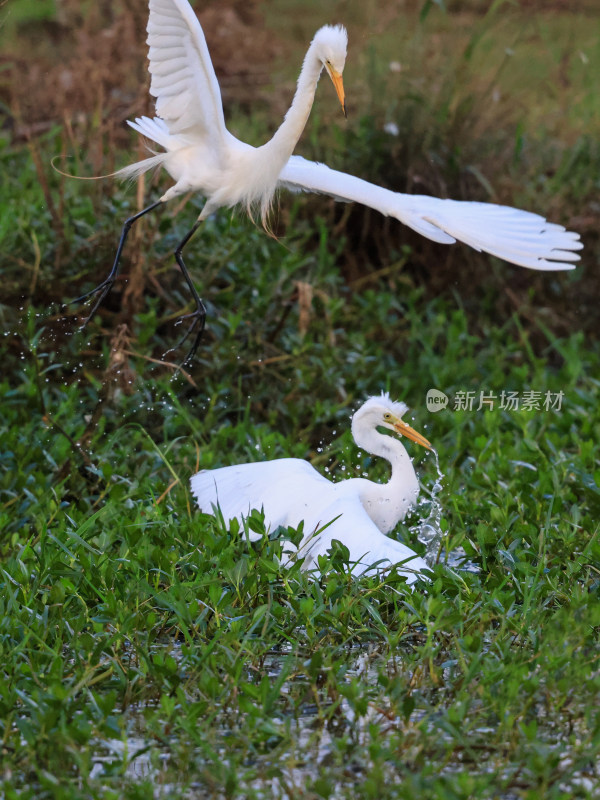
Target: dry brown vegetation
(88, 71)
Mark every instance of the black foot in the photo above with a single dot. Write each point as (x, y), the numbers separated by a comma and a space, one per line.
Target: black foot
(196, 328)
(103, 289)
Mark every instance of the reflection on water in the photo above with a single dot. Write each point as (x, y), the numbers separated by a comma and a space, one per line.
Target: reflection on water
(314, 735)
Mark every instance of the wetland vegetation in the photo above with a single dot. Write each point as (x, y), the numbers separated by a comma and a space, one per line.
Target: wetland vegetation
(149, 652)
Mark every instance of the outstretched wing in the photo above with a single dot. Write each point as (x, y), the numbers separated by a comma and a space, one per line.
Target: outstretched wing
(346, 520)
(520, 237)
(283, 488)
(291, 491)
(184, 83)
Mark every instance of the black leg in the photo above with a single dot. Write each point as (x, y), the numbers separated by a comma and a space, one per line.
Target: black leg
(107, 284)
(199, 315)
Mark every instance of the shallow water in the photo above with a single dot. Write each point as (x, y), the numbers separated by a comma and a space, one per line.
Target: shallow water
(315, 742)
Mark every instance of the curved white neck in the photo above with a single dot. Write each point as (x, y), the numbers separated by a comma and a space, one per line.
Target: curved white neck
(286, 137)
(271, 157)
(403, 486)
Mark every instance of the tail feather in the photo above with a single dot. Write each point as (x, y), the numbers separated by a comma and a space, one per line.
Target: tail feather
(155, 129)
(133, 171)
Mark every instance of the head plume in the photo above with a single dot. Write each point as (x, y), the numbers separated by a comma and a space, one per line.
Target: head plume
(331, 44)
(383, 401)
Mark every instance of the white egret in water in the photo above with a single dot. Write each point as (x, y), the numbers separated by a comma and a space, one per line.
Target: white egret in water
(357, 512)
(201, 155)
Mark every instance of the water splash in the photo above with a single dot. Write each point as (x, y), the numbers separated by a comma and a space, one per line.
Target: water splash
(428, 529)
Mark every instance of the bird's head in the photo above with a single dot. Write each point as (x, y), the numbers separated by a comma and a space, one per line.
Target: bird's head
(381, 412)
(331, 44)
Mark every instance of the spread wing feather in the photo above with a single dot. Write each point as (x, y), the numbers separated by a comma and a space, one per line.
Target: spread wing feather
(264, 485)
(183, 78)
(520, 237)
(291, 491)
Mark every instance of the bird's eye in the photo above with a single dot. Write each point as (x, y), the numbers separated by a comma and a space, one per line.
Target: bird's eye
(387, 415)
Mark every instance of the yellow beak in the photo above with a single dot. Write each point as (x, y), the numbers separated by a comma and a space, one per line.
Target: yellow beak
(404, 429)
(336, 78)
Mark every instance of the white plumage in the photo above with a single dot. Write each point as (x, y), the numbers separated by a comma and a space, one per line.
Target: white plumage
(201, 155)
(357, 512)
(520, 237)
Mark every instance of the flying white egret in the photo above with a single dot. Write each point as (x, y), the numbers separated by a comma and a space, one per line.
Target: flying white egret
(201, 155)
(357, 512)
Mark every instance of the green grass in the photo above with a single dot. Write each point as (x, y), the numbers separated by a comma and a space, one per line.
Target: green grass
(146, 650)
(128, 619)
